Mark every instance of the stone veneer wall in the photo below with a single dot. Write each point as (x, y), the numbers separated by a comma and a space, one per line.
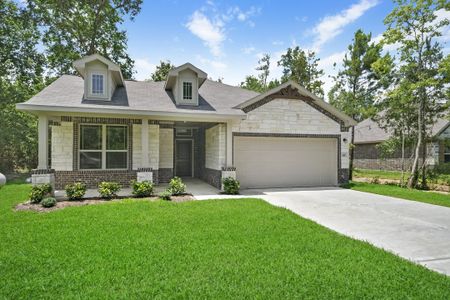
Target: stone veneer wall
(213, 177)
(215, 147)
(62, 146)
(153, 146)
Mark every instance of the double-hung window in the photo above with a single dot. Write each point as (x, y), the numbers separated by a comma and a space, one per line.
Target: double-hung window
(446, 154)
(103, 147)
(98, 86)
(187, 90)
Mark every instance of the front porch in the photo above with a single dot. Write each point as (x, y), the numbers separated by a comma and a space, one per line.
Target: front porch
(96, 149)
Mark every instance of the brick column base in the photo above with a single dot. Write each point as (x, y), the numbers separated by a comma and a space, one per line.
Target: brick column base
(227, 172)
(40, 176)
(145, 174)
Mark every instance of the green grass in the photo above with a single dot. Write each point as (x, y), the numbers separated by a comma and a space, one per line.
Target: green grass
(200, 249)
(395, 175)
(404, 193)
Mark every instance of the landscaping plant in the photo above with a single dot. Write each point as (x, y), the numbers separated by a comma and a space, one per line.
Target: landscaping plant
(108, 190)
(142, 189)
(75, 191)
(166, 195)
(176, 186)
(48, 202)
(39, 192)
(230, 186)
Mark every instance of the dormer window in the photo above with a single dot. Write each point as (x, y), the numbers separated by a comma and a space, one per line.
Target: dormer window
(98, 84)
(187, 90)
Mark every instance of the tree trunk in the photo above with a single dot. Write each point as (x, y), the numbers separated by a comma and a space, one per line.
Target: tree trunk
(424, 165)
(351, 154)
(412, 182)
(402, 181)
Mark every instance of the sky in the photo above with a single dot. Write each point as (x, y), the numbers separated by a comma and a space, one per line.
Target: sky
(226, 38)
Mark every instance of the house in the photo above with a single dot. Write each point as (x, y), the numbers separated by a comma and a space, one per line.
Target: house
(99, 127)
(367, 155)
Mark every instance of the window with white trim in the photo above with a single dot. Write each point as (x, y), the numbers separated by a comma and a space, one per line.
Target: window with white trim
(446, 154)
(103, 147)
(98, 84)
(187, 90)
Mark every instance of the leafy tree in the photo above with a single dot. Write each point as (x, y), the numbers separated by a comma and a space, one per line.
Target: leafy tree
(162, 71)
(21, 76)
(264, 66)
(73, 28)
(252, 83)
(356, 84)
(421, 71)
(302, 67)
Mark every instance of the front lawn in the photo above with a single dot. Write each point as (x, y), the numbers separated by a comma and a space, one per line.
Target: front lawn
(200, 249)
(443, 179)
(404, 193)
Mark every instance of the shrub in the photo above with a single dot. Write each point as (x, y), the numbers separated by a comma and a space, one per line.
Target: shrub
(75, 191)
(166, 195)
(176, 186)
(142, 189)
(48, 202)
(443, 168)
(375, 180)
(108, 190)
(230, 186)
(39, 192)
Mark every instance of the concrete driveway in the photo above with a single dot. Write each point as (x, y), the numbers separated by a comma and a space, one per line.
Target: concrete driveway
(416, 231)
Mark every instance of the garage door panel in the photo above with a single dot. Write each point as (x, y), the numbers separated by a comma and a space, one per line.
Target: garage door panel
(285, 162)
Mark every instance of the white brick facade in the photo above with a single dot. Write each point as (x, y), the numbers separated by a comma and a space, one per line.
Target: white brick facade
(62, 147)
(153, 146)
(292, 116)
(165, 148)
(215, 147)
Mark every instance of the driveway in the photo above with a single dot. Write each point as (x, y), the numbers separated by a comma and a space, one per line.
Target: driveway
(416, 231)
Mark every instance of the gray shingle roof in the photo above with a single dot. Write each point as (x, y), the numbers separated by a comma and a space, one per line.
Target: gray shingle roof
(215, 98)
(368, 131)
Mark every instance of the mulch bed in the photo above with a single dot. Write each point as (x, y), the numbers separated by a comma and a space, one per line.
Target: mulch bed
(91, 201)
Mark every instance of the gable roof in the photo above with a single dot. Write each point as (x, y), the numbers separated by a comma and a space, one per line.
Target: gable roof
(368, 131)
(80, 66)
(139, 98)
(170, 81)
(306, 95)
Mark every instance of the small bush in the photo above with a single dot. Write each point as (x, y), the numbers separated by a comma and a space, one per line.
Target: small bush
(176, 186)
(166, 195)
(48, 202)
(75, 191)
(39, 192)
(230, 186)
(142, 189)
(375, 180)
(108, 190)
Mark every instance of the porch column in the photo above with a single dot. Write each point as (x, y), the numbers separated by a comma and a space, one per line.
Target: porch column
(229, 145)
(43, 143)
(144, 141)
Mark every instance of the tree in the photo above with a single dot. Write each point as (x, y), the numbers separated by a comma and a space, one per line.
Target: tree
(252, 83)
(356, 84)
(72, 29)
(21, 76)
(413, 26)
(162, 71)
(302, 67)
(264, 66)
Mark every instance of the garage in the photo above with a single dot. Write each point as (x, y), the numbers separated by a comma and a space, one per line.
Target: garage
(285, 161)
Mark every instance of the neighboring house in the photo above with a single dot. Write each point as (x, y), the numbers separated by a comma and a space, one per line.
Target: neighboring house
(105, 128)
(368, 135)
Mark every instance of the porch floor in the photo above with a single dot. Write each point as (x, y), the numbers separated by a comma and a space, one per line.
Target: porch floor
(194, 186)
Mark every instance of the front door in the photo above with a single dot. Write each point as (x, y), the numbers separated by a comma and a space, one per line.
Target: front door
(183, 158)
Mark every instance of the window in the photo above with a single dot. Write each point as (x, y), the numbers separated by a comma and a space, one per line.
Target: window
(447, 154)
(184, 132)
(103, 147)
(97, 84)
(187, 90)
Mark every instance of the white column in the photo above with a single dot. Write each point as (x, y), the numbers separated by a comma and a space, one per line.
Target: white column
(229, 145)
(144, 141)
(43, 143)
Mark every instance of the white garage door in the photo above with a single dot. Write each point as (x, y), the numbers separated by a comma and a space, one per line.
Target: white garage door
(285, 162)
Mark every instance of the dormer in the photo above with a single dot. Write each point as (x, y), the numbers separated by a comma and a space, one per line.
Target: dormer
(101, 77)
(184, 82)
